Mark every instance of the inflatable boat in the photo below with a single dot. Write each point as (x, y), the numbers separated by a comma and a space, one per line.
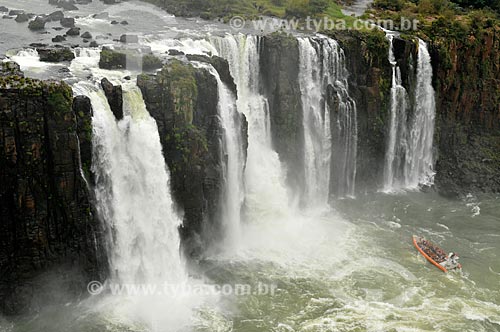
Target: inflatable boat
(434, 254)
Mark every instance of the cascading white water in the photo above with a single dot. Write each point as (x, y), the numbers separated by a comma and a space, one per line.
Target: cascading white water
(29, 61)
(409, 156)
(132, 192)
(265, 189)
(317, 133)
(420, 159)
(322, 67)
(397, 143)
(235, 161)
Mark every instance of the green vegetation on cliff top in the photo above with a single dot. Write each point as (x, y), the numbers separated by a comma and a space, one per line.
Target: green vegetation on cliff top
(210, 9)
(436, 17)
(59, 94)
(441, 18)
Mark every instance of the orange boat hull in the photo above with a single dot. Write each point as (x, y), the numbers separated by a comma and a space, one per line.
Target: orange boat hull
(442, 268)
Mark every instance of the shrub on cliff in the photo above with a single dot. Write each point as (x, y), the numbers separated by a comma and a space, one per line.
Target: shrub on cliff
(396, 5)
(151, 62)
(183, 88)
(437, 17)
(493, 4)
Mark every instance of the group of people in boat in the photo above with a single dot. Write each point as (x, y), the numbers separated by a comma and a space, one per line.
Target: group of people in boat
(437, 254)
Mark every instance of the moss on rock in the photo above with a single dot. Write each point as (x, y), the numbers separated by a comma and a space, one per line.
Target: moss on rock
(182, 83)
(59, 97)
(111, 59)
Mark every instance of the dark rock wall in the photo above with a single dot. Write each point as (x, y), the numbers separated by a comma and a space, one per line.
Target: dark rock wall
(45, 212)
(222, 67)
(82, 108)
(114, 94)
(183, 101)
(279, 66)
(467, 81)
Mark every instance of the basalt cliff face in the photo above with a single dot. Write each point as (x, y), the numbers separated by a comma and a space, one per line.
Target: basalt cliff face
(279, 65)
(184, 102)
(467, 81)
(46, 219)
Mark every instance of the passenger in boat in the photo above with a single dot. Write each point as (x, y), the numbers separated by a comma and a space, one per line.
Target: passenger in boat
(434, 252)
(451, 262)
(441, 254)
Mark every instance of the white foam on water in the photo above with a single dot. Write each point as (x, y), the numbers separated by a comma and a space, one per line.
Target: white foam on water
(29, 61)
(85, 66)
(443, 226)
(186, 45)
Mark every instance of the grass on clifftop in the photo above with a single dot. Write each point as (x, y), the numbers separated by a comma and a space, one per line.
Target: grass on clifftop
(252, 8)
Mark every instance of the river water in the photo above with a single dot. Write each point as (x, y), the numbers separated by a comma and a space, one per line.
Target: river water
(355, 269)
(350, 267)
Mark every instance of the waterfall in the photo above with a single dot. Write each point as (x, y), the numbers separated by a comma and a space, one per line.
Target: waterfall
(322, 73)
(265, 188)
(132, 192)
(234, 157)
(330, 124)
(316, 121)
(409, 159)
(420, 157)
(397, 144)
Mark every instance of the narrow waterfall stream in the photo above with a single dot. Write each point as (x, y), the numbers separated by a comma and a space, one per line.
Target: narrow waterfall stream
(264, 176)
(421, 154)
(409, 160)
(397, 144)
(314, 79)
(234, 192)
(322, 76)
